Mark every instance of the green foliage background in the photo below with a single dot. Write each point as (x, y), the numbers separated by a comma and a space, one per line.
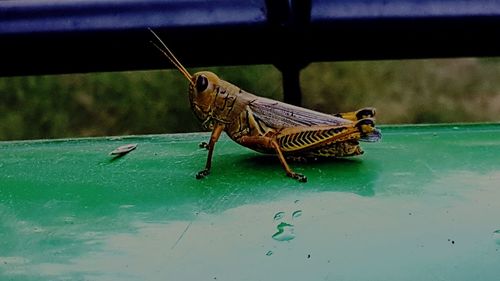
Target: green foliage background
(150, 102)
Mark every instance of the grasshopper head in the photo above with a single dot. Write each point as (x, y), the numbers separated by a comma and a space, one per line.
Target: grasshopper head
(203, 86)
(202, 93)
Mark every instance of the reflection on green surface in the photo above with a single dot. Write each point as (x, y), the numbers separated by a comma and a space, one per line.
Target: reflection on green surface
(68, 212)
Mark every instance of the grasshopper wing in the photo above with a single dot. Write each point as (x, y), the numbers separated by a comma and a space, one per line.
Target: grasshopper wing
(278, 115)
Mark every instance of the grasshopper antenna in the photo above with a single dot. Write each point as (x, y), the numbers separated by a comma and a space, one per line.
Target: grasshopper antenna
(166, 51)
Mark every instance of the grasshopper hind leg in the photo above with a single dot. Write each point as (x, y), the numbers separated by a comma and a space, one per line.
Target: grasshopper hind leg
(271, 144)
(282, 159)
(367, 112)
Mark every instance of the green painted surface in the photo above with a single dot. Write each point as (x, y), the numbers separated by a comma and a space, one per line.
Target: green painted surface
(423, 204)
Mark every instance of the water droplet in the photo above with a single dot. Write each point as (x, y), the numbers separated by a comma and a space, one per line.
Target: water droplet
(269, 253)
(37, 230)
(496, 236)
(285, 232)
(297, 214)
(279, 215)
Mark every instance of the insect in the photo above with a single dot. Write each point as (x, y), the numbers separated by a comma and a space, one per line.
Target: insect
(270, 126)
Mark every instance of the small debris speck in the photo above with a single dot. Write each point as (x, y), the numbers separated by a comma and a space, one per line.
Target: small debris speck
(124, 149)
(308, 256)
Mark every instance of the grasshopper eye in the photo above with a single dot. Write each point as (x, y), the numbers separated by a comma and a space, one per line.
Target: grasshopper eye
(201, 83)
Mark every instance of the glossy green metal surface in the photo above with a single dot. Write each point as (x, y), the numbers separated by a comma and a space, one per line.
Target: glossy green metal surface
(423, 204)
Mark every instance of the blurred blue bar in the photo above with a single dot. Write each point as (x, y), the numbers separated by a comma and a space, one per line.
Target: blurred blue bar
(400, 29)
(33, 16)
(60, 36)
(328, 10)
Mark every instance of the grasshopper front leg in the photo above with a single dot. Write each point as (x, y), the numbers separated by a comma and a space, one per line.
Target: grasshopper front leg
(218, 128)
(271, 143)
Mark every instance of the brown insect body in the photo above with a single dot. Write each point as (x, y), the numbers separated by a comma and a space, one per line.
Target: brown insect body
(270, 126)
(256, 122)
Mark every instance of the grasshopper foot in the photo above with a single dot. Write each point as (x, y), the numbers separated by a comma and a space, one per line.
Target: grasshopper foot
(203, 145)
(299, 177)
(203, 173)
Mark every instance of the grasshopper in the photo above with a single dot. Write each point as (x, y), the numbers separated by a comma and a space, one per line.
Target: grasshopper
(270, 126)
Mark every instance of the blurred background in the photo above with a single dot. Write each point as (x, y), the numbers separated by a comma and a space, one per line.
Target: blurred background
(156, 102)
